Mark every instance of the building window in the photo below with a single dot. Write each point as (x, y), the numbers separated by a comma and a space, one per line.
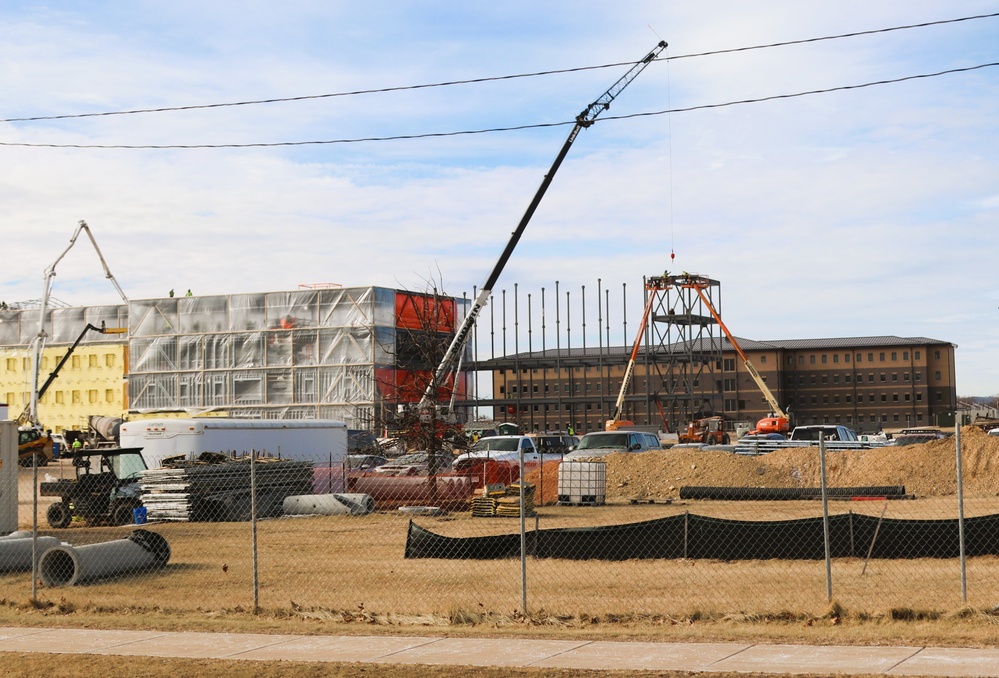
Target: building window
(109, 359)
(894, 356)
(76, 398)
(918, 355)
(919, 397)
(11, 365)
(870, 398)
(870, 378)
(824, 356)
(883, 377)
(894, 397)
(92, 393)
(936, 354)
(881, 356)
(502, 389)
(812, 379)
(870, 357)
(59, 397)
(790, 360)
(76, 362)
(906, 397)
(835, 378)
(730, 364)
(801, 360)
(811, 359)
(905, 376)
(92, 360)
(894, 376)
(846, 357)
(848, 378)
(835, 357)
(884, 397)
(936, 375)
(729, 385)
(109, 396)
(825, 378)
(905, 355)
(763, 358)
(730, 405)
(848, 399)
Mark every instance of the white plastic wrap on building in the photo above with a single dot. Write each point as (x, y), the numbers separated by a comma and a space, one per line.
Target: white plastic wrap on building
(302, 354)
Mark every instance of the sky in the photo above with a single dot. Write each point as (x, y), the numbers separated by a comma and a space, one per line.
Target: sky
(857, 212)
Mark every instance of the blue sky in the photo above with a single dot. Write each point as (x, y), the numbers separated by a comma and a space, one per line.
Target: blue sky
(864, 212)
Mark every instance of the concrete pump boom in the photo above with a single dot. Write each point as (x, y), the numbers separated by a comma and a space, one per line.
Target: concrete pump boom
(584, 119)
(39, 340)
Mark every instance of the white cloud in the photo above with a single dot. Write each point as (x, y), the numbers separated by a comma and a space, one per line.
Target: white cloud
(854, 213)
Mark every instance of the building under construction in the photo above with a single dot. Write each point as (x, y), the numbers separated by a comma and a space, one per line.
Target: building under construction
(687, 369)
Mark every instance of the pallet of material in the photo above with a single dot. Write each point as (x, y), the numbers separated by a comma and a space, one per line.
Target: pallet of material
(220, 490)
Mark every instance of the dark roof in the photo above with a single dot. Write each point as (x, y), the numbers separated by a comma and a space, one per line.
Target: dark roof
(619, 353)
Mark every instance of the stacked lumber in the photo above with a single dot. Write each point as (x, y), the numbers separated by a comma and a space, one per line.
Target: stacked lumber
(219, 489)
(506, 503)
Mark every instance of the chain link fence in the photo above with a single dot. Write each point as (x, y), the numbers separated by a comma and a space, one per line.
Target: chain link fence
(675, 533)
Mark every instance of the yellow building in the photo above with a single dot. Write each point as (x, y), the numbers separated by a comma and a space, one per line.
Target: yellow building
(92, 382)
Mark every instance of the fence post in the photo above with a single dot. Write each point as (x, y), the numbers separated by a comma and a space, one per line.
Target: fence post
(825, 515)
(253, 528)
(523, 539)
(960, 514)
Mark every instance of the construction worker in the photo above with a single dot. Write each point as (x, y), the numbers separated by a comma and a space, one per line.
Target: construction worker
(77, 445)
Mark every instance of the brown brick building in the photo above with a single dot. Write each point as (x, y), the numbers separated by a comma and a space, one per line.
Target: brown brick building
(867, 383)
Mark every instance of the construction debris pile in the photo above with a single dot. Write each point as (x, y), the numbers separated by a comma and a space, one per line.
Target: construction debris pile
(217, 488)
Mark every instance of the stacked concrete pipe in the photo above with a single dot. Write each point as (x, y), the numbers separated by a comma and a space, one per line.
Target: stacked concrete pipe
(16, 549)
(66, 565)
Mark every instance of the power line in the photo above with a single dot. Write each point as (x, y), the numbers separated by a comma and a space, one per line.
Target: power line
(429, 135)
(450, 83)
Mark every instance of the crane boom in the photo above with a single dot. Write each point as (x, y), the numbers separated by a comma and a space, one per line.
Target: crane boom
(38, 344)
(583, 120)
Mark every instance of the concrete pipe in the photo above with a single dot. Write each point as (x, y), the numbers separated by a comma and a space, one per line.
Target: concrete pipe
(15, 554)
(329, 504)
(360, 504)
(67, 565)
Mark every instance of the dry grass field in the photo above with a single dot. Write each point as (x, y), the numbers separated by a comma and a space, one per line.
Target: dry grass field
(348, 575)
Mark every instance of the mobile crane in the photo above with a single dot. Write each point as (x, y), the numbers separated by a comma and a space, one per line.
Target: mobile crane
(585, 119)
(779, 421)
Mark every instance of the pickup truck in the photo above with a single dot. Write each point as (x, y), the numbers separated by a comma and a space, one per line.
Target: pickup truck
(831, 432)
(504, 449)
(602, 443)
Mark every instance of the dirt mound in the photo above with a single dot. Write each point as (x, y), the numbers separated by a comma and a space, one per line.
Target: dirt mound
(924, 470)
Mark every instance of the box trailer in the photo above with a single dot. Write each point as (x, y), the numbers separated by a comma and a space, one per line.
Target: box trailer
(320, 441)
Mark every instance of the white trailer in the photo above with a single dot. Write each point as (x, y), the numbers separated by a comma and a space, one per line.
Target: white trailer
(320, 441)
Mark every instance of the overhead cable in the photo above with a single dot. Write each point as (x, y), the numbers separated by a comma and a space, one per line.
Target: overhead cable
(429, 135)
(449, 83)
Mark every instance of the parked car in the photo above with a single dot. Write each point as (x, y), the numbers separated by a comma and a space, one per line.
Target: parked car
(917, 438)
(553, 443)
(499, 448)
(994, 432)
(417, 464)
(830, 432)
(365, 462)
(602, 443)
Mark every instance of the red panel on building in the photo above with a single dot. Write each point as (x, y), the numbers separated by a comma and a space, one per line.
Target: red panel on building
(424, 312)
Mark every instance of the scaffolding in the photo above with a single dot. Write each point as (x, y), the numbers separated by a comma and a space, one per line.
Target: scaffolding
(684, 349)
(304, 354)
